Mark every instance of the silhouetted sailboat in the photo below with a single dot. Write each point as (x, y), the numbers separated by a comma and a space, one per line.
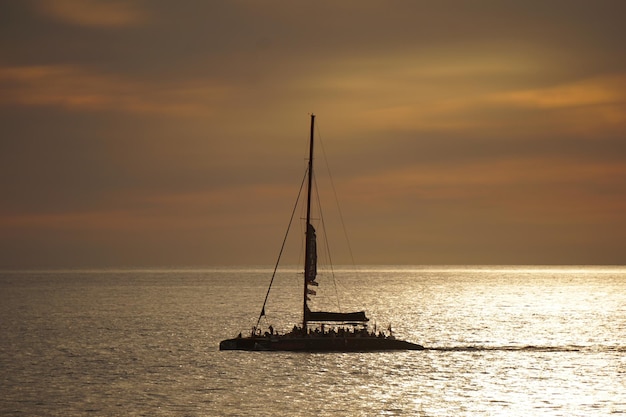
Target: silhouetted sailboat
(347, 332)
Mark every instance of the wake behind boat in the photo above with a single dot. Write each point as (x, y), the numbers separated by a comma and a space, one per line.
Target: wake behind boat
(321, 331)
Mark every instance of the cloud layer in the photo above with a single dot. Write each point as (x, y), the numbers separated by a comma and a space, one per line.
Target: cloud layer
(159, 133)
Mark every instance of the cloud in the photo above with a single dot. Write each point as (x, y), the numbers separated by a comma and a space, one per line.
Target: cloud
(531, 187)
(605, 90)
(596, 105)
(78, 89)
(95, 13)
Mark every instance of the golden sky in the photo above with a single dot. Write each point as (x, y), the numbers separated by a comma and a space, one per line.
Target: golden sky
(163, 133)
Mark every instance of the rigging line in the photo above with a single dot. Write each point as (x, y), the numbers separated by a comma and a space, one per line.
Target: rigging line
(282, 247)
(332, 184)
(330, 262)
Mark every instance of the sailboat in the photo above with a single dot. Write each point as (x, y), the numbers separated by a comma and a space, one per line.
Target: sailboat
(340, 332)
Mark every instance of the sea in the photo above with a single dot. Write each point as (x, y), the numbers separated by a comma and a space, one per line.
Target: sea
(500, 341)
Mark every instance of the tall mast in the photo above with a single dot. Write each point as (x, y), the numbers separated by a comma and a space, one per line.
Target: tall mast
(308, 248)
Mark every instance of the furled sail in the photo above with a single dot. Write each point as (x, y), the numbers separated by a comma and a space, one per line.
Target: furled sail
(311, 261)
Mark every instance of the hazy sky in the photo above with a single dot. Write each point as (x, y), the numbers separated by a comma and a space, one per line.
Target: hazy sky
(154, 133)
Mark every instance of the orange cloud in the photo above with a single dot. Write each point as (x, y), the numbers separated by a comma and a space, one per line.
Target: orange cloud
(605, 90)
(429, 90)
(546, 182)
(459, 89)
(592, 105)
(75, 88)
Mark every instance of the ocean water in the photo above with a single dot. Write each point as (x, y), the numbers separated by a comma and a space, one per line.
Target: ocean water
(501, 341)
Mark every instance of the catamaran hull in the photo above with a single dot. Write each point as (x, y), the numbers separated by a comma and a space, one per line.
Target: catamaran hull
(318, 344)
